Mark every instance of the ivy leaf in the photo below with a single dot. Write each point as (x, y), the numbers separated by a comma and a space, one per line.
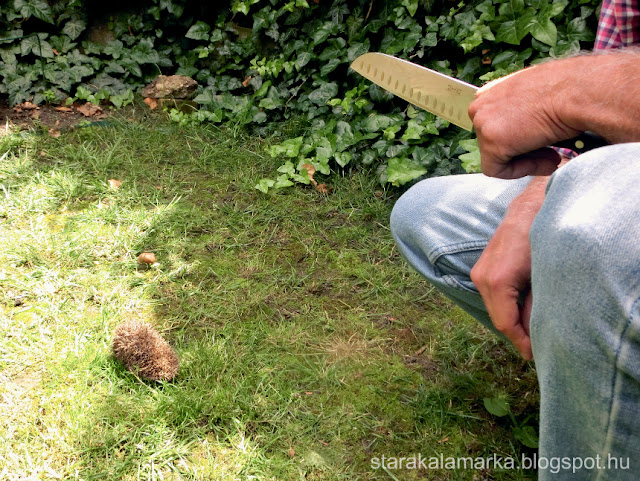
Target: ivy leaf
(471, 160)
(376, 123)
(264, 185)
(114, 48)
(368, 156)
(544, 30)
(324, 93)
(283, 181)
(330, 66)
(578, 30)
(511, 8)
(402, 170)
(207, 96)
(343, 158)
(143, 52)
(411, 6)
(36, 8)
(303, 59)
(323, 33)
(357, 49)
(74, 27)
(78, 72)
(199, 31)
(288, 148)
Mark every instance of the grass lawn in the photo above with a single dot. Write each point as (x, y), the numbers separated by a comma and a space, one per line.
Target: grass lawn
(307, 346)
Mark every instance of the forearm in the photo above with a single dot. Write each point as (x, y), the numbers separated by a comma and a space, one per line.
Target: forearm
(524, 208)
(601, 94)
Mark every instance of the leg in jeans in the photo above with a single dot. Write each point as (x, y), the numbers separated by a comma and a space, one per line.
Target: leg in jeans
(585, 324)
(442, 225)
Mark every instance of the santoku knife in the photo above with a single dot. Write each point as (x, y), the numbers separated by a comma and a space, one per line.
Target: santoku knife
(444, 96)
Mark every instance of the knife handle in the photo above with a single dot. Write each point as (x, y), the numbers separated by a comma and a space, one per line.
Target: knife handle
(582, 143)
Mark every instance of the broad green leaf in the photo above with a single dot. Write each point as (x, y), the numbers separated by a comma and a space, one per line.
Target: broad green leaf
(123, 99)
(544, 30)
(511, 8)
(324, 93)
(207, 96)
(390, 132)
(414, 131)
(369, 156)
(397, 150)
(401, 170)
(376, 123)
(114, 48)
(287, 168)
(264, 185)
(330, 66)
(323, 33)
(199, 31)
(74, 27)
(471, 162)
(283, 181)
(498, 406)
(411, 6)
(36, 8)
(578, 30)
(288, 148)
(302, 59)
(526, 435)
(343, 158)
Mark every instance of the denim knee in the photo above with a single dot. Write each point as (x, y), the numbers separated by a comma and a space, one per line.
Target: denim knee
(442, 225)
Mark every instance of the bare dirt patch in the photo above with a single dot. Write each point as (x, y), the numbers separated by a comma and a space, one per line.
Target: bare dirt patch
(56, 117)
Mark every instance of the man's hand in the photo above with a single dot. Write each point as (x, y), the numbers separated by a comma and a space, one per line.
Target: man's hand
(516, 115)
(502, 275)
(538, 106)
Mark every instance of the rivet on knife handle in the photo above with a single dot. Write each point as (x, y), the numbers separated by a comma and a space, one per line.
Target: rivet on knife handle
(582, 143)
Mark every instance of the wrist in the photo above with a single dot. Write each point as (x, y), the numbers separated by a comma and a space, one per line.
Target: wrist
(596, 91)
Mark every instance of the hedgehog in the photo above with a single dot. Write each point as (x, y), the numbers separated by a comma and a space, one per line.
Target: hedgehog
(144, 352)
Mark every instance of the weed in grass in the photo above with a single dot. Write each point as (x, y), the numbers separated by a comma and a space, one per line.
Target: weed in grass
(307, 346)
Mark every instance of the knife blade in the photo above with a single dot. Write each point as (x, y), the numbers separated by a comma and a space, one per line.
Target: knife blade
(435, 92)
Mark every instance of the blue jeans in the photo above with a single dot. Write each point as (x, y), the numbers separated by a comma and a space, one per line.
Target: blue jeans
(585, 322)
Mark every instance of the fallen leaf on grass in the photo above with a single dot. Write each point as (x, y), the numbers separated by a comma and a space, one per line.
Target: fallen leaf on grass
(291, 452)
(89, 109)
(55, 133)
(151, 103)
(114, 183)
(322, 188)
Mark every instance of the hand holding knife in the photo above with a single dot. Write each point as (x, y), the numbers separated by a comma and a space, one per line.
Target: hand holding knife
(448, 98)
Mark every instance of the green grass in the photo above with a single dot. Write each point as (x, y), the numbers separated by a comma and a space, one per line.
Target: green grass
(307, 346)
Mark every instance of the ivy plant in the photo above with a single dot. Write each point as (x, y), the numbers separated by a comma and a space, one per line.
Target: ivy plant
(261, 62)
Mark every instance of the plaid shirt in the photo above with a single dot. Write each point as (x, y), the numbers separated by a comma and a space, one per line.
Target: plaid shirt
(619, 24)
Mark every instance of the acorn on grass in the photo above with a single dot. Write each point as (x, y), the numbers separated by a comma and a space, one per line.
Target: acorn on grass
(144, 352)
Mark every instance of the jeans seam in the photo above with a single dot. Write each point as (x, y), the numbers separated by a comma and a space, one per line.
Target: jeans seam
(614, 380)
(457, 248)
(435, 254)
